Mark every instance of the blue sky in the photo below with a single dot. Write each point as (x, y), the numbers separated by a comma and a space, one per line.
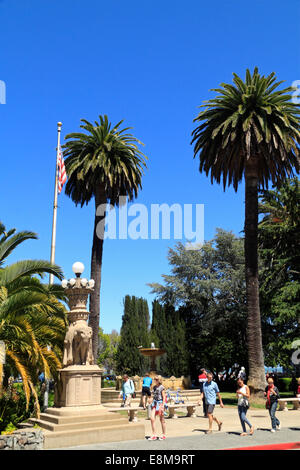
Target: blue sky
(149, 63)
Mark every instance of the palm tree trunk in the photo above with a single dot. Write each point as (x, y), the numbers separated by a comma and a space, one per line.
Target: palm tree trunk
(96, 268)
(256, 381)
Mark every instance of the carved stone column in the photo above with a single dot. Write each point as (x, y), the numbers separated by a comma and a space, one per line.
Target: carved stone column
(79, 379)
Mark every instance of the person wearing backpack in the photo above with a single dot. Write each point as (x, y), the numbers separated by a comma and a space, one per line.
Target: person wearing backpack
(127, 391)
(243, 395)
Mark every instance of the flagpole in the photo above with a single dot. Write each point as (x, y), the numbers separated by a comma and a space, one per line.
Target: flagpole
(53, 239)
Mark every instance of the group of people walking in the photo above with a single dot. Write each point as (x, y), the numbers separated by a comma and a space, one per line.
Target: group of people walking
(209, 392)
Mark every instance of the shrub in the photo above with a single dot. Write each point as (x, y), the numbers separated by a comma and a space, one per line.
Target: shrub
(9, 429)
(13, 408)
(108, 383)
(284, 384)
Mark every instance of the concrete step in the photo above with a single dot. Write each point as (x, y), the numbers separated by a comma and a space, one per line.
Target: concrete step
(58, 439)
(118, 420)
(56, 419)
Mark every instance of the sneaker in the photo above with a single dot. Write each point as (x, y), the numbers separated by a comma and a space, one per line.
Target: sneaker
(273, 430)
(162, 438)
(152, 438)
(278, 426)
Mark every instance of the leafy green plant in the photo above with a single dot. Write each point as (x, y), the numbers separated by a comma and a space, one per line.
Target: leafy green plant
(13, 408)
(9, 428)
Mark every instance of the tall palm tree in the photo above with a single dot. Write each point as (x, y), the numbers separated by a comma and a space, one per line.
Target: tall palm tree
(104, 163)
(249, 130)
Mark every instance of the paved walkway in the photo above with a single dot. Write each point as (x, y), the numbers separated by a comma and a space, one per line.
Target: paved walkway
(189, 433)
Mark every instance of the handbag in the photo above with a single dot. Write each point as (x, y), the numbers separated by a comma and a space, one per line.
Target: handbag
(245, 403)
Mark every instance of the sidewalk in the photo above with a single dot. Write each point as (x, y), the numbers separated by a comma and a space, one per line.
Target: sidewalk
(189, 433)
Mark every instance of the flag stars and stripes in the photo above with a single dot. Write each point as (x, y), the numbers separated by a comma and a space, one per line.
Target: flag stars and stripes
(62, 176)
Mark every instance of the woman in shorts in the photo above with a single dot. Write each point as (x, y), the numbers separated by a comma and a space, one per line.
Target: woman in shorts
(146, 392)
(157, 408)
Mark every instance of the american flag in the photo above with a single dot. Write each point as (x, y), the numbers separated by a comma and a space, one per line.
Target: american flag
(62, 176)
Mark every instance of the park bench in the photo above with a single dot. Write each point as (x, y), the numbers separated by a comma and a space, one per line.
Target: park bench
(283, 403)
(190, 407)
(132, 410)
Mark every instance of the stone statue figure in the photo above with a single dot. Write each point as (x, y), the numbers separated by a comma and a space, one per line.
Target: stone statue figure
(78, 344)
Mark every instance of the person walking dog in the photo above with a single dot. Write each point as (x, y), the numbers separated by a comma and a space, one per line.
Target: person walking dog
(243, 395)
(210, 393)
(272, 396)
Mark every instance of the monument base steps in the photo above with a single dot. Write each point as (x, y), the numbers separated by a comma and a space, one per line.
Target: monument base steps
(65, 427)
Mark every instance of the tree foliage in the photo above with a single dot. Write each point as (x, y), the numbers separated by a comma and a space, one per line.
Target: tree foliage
(207, 289)
(134, 333)
(107, 347)
(279, 239)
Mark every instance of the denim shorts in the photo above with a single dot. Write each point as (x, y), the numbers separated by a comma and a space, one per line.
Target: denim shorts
(210, 408)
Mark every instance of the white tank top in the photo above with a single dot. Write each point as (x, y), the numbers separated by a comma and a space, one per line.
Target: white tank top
(243, 389)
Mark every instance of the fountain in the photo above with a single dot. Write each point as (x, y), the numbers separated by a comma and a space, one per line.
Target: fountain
(152, 353)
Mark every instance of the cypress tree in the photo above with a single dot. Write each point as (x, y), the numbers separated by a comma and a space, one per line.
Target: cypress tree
(134, 333)
(168, 332)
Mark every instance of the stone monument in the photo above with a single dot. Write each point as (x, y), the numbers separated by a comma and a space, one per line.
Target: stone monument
(79, 379)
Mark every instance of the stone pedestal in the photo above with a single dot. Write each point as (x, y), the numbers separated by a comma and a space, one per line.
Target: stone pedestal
(79, 386)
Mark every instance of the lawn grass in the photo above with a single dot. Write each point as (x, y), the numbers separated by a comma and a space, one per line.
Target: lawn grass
(229, 399)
